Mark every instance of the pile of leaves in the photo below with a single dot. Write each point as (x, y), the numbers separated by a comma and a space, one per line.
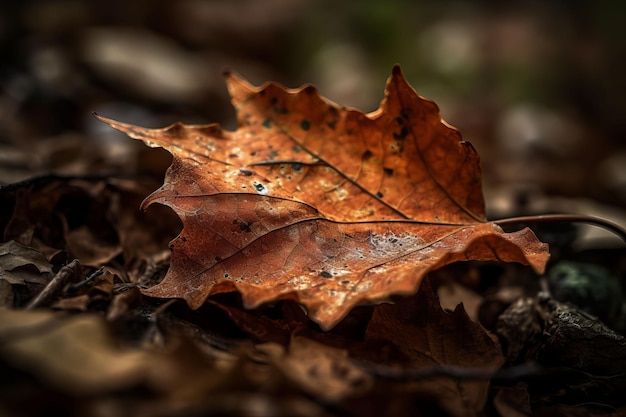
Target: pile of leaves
(304, 281)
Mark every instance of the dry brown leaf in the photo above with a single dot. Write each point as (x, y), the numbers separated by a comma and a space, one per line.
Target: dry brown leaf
(323, 371)
(7, 297)
(20, 264)
(429, 336)
(78, 355)
(315, 202)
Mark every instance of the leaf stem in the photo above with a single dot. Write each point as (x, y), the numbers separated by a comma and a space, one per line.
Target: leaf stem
(575, 218)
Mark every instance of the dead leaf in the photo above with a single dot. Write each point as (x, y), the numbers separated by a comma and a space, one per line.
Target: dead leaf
(315, 202)
(7, 296)
(78, 355)
(74, 354)
(320, 370)
(513, 401)
(429, 336)
(20, 264)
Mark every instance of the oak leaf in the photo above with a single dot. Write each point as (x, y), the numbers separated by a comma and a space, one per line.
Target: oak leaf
(323, 204)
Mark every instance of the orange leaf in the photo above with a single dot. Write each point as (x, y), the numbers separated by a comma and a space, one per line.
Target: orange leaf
(323, 204)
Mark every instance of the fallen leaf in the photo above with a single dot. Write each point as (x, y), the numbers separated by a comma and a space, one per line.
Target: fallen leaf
(76, 303)
(428, 336)
(513, 401)
(20, 264)
(78, 355)
(7, 296)
(74, 354)
(322, 204)
(323, 371)
(70, 215)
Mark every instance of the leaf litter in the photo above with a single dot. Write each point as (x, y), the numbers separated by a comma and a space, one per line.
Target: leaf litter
(309, 236)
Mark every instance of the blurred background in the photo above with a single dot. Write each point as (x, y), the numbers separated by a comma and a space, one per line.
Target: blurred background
(537, 86)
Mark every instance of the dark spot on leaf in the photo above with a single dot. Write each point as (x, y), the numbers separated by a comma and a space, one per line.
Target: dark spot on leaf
(259, 187)
(305, 124)
(245, 227)
(272, 155)
(310, 90)
(325, 274)
(379, 194)
(402, 134)
(296, 149)
(333, 111)
(253, 153)
(245, 172)
(218, 259)
(233, 155)
(267, 123)
(388, 171)
(345, 281)
(296, 167)
(226, 276)
(399, 120)
(367, 154)
(331, 124)
(183, 238)
(404, 113)
(397, 146)
(277, 109)
(393, 239)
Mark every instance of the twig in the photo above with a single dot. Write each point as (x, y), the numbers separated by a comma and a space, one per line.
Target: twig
(574, 218)
(56, 285)
(504, 375)
(85, 282)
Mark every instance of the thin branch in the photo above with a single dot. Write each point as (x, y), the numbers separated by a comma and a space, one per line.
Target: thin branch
(499, 376)
(55, 286)
(570, 218)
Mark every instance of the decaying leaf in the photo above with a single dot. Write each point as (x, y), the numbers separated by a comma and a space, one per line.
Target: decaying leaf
(326, 205)
(78, 355)
(20, 264)
(321, 370)
(75, 354)
(428, 336)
